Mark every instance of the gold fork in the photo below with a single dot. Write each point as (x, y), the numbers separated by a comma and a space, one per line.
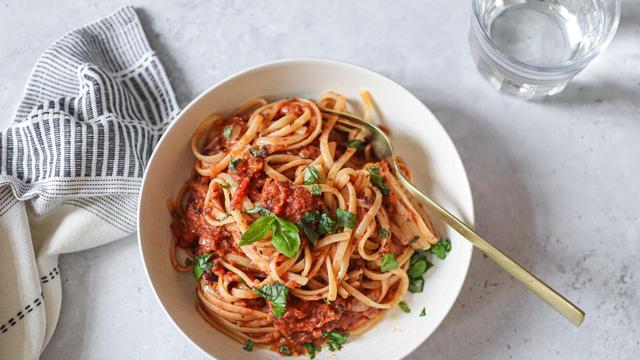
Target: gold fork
(383, 150)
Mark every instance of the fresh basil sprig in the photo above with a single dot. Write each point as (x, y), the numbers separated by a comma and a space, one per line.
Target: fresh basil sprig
(284, 350)
(335, 339)
(326, 225)
(356, 144)
(201, 264)
(308, 225)
(441, 248)
(284, 234)
(257, 153)
(227, 131)
(377, 180)
(405, 308)
(276, 293)
(312, 350)
(312, 176)
(259, 209)
(233, 165)
(346, 218)
(418, 266)
(388, 262)
(248, 345)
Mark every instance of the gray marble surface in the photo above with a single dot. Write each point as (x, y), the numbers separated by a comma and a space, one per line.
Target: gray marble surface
(555, 183)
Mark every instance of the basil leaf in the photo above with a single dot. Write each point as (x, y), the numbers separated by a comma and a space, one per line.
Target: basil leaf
(388, 262)
(259, 209)
(227, 131)
(257, 153)
(357, 144)
(285, 237)
(315, 190)
(248, 345)
(346, 218)
(416, 285)
(307, 223)
(382, 233)
(284, 350)
(233, 165)
(423, 312)
(418, 266)
(311, 176)
(312, 350)
(403, 305)
(201, 264)
(276, 293)
(441, 248)
(335, 339)
(377, 180)
(257, 230)
(326, 224)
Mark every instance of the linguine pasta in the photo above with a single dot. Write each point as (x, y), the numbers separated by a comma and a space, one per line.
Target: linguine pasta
(296, 234)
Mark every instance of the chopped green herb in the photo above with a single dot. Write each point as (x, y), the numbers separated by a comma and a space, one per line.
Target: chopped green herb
(415, 238)
(248, 345)
(418, 266)
(224, 185)
(233, 165)
(403, 305)
(257, 153)
(276, 293)
(327, 301)
(227, 131)
(382, 233)
(416, 285)
(326, 225)
(423, 312)
(315, 190)
(388, 262)
(284, 350)
(308, 225)
(201, 264)
(259, 209)
(357, 144)
(312, 350)
(335, 339)
(441, 248)
(346, 218)
(311, 176)
(377, 179)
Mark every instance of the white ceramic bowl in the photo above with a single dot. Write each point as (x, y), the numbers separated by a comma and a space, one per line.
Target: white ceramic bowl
(420, 140)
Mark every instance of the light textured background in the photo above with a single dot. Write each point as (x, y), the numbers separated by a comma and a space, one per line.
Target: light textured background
(556, 184)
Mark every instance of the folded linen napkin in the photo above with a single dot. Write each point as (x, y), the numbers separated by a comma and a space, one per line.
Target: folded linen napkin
(71, 165)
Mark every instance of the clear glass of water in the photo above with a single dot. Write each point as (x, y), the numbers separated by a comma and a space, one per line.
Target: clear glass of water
(533, 48)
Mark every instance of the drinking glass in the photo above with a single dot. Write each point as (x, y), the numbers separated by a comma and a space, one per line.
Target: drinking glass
(533, 48)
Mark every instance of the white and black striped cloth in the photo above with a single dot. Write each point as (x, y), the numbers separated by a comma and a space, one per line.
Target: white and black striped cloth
(71, 165)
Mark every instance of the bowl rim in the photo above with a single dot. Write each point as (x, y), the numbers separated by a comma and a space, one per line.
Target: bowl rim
(469, 218)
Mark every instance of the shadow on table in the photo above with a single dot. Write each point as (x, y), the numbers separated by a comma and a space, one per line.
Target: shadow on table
(583, 92)
(175, 73)
(490, 300)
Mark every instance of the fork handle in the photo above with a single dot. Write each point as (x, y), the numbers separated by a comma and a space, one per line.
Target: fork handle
(558, 302)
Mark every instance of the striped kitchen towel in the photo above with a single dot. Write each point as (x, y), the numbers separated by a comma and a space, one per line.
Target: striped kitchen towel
(71, 165)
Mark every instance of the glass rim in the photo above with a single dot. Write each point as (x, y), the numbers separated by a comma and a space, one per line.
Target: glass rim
(568, 67)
